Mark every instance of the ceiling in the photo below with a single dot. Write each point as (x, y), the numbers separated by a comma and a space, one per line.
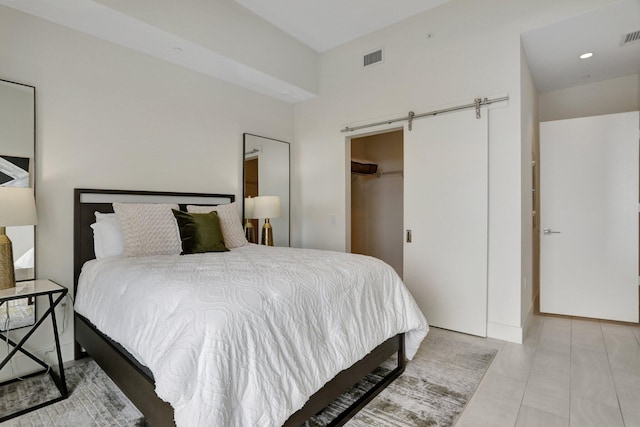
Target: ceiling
(325, 24)
(552, 51)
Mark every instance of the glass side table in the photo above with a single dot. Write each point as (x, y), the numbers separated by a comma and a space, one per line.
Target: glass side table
(55, 294)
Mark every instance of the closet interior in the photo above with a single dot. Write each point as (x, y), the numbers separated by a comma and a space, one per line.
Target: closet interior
(377, 197)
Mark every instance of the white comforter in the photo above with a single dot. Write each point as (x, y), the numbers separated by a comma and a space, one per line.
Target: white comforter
(243, 338)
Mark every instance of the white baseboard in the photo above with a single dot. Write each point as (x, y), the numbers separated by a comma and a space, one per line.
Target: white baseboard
(505, 332)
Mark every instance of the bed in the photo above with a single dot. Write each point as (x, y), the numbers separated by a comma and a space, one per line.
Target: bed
(122, 362)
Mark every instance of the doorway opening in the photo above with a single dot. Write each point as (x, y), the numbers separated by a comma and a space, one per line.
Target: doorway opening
(377, 197)
(251, 190)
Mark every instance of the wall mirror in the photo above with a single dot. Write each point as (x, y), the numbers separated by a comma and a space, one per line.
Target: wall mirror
(17, 169)
(266, 173)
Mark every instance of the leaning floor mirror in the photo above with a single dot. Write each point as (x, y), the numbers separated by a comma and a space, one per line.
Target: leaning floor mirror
(17, 158)
(266, 175)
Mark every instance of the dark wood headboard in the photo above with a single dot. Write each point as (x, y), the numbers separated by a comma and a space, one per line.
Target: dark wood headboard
(88, 201)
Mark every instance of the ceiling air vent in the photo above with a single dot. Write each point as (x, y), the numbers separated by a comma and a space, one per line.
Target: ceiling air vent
(631, 38)
(373, 58)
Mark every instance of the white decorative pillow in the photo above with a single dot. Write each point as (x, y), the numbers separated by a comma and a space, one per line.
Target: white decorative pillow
(107, 237)
(229, 215)
(148, 229)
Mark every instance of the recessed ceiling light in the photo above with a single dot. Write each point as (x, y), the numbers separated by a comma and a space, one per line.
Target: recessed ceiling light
(586, 55)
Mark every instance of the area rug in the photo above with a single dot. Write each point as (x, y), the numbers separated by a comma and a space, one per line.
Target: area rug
(94, 400)
(433, 391)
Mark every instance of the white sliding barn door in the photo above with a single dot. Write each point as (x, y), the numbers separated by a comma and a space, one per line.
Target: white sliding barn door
(589, 209)
(445, 207)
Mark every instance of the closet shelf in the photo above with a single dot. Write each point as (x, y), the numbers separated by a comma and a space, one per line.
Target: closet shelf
(363, 168)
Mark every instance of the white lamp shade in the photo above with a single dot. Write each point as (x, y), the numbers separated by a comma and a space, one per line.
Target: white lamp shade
(248, 207)
(266, 207)
(17, 207)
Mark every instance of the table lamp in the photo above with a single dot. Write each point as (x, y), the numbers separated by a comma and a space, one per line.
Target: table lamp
(17, 207)
(266, 207)
(249, 230)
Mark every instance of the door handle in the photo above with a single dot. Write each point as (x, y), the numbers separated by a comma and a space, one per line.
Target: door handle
(547, 231)
(408, 236)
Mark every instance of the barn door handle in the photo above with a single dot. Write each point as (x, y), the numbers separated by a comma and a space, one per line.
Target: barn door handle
(548, 231)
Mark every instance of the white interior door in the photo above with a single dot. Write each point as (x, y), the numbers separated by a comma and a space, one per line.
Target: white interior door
(445, 207)
(589, 207)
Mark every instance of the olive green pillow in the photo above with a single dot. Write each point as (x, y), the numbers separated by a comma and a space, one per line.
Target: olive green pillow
(200, 232)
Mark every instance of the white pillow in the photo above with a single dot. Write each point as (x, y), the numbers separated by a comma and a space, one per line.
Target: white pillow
(107, 237)
(229, 215)
(148, 229)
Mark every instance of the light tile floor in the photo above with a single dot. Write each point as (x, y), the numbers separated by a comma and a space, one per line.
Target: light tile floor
(567, 373)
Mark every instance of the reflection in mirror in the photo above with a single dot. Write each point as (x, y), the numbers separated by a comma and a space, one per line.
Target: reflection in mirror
(266, 173)
(17, 166)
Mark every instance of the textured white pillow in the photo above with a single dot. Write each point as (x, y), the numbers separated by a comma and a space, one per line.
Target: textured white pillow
(148, 229)
(107, 237)
(229, 215)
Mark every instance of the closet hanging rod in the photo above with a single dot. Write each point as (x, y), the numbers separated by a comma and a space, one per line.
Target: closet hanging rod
(477, 103)
(398, 172)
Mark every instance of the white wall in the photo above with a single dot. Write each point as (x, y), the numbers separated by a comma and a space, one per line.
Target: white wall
(612, 96)
(377, 201)
(108, 117)
(474, 51)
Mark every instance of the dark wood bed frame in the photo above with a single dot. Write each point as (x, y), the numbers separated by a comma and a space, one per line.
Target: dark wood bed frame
(136, 380)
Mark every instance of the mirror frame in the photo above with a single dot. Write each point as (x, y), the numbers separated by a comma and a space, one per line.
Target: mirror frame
(244, 190)
(32, 183)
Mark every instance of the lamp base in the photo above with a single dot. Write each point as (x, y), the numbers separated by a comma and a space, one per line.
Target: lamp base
(267, 233)
(7, 274)
(249, 232)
